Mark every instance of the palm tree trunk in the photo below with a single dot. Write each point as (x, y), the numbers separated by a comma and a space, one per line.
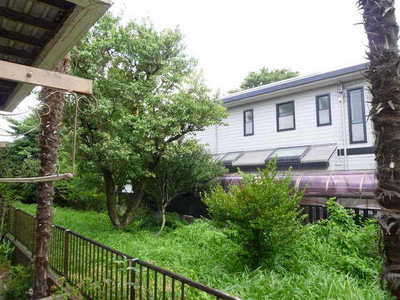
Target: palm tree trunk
(49, 141)
(384, 76)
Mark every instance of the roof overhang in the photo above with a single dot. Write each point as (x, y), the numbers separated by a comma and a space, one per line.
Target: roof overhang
(40, 33)
(295, 85)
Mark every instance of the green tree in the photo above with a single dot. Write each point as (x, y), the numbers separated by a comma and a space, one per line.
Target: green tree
(265, 76)
(148, 99)
(21, 159)
(263, 213)
(186, 167)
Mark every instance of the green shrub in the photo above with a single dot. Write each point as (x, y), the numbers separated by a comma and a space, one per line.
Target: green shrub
(5, 254)
(19, 282)
(263, 214)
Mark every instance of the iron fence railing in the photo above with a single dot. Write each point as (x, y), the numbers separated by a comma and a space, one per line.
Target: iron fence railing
(100, 272)
(316, 213)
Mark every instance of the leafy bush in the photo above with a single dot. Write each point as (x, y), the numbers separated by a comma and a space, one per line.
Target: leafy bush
(5, 254)
(19, 282)
(263, 214)
(338, 243)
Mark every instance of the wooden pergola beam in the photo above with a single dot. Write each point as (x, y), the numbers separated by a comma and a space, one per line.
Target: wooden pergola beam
(35, 76)
(27, 19)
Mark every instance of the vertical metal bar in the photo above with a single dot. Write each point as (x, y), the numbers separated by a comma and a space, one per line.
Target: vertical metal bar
(148, 283)
(310, 214)
(98, 264)
(80, 260)
(122, 283)
(155, 284)
(164, 286)
(141, 281)
(183, 291)
(106, 276)
(66, 253)
(111, 274)
(90, 270)
(365, 211)
(317, 213)
(134, 279)
(173, 289)
(116, 263)
(102, 273)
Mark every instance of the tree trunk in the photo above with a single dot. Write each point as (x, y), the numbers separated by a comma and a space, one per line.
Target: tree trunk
(163, 211)
(51, 115)
(111, 197)
(112, 190)
(384, 76)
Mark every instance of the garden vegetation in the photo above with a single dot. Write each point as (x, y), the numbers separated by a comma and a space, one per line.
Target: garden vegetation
(333, 259)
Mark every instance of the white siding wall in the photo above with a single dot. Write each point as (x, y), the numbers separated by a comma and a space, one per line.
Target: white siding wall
(230, 138)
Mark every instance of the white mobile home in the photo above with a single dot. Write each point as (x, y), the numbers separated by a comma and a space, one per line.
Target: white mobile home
(317, 122)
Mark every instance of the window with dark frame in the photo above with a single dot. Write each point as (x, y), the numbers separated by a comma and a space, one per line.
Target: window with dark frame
(285, 118)
(357, 122)
(248, 122)
(324, 115)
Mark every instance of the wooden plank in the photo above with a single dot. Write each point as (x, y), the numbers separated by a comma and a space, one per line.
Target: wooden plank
(17, 52)
(58, 3)
(35, 76)
(26, 39)
(27, 19)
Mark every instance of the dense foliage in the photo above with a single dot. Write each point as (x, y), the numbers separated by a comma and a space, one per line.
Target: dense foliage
(263, 214)
(186, 167)
(20, 159)
(147, 99)
(336, 259)
(15, 281)
(266, 76)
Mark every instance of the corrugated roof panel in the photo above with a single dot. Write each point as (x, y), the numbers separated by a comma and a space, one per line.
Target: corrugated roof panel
(231, 157)
(320, 153)
(252, 158)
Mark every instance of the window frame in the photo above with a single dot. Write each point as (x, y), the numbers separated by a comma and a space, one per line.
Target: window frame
(277, 116)
(350, 124)
(244, 122)
(317, 105)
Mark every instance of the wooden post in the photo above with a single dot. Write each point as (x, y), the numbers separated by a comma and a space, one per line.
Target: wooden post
(49, 141)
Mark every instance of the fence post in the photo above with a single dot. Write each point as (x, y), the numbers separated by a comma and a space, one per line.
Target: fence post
(132, 265)
(66, 252)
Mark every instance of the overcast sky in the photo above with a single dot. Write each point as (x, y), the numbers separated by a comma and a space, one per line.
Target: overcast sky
(231, 38)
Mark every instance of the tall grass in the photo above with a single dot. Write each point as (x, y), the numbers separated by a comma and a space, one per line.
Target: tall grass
(330, 261)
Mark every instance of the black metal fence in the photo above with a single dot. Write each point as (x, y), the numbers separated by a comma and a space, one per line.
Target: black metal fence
(100, 272)
(316, 213)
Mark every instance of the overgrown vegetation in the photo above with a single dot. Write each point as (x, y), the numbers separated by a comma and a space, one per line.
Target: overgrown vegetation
(15, 281)
(262, 213)
(335, 259)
